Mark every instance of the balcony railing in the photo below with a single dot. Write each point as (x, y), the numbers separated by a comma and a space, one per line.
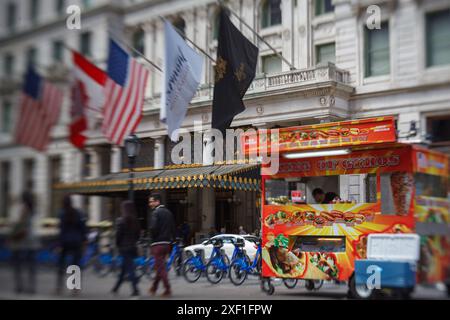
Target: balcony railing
(271, 82)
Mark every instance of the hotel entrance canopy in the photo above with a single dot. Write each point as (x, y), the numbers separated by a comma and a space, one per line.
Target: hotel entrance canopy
(226, 176)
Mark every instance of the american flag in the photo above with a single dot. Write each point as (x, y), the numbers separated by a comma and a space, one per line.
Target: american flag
(40, 106)
(124, 91)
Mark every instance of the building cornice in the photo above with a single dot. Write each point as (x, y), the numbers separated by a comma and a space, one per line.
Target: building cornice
(59, 23)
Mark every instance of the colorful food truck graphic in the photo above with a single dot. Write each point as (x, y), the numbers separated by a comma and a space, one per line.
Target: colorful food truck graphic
(379, 186)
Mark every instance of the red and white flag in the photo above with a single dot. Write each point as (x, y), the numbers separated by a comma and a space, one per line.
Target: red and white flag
(124, 91)
(39, 111)
(88, 98)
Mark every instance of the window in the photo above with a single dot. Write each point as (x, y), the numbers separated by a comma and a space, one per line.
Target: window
(347, 188)
(180, 25)
(85, 43)
(377, 61)
(324, 6)
(428, 185)
(8, 67)
(59, 7)
(86, 164)
(439, 129)
(319, 244)
(438, 39)
(325, 53)
(6, 117)
(271, 13)
(147, 158)
(28, 174)
(11, 16)
(5, 187)
(31, 56)
(34, 11)
(271, 64)
(138, 41)
(55, 177)
(58, 51)
(215, 27)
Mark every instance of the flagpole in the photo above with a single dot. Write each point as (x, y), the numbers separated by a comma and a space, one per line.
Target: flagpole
(116, 38)
(190, 41)
(222, 4)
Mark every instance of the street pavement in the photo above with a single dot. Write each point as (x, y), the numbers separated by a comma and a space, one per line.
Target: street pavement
(96, 288)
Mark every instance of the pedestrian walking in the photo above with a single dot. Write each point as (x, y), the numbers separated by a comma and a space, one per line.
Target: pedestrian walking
(162, 229)
(24, 243)
(241, 230)
(127, 236)
(72, 238)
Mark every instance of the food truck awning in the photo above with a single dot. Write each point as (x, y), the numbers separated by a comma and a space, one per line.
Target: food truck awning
(226, 176)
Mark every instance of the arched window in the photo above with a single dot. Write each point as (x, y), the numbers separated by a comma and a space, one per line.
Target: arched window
(180, 25)
(138, 40)
(270, 13)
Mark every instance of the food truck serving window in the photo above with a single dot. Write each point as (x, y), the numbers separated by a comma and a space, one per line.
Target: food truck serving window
(319, 244)
(351, 188)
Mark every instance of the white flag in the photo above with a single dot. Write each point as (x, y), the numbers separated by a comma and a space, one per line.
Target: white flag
(182, 73)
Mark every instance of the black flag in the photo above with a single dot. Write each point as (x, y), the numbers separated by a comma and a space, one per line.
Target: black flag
(234, 72)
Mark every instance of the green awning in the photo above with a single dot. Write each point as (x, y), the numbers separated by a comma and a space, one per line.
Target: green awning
(227, 176)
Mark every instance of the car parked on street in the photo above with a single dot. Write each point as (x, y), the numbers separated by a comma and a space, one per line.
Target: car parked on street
(228, 241)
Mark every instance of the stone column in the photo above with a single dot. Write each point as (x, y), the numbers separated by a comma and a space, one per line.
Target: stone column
(346, 38)
(287, 10)
(208, 146)
(149, 50)
(95, 203)
(208, 209)
(200, 38)
(41, 185)
(159, 54)
(16, 186)
(304, 30)
(116, 159)
(71, 171)
(159, 152)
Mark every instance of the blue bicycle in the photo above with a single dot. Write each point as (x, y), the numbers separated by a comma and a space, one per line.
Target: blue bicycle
(241, 266)
(217, 266)
(194, 266)
(175, 260)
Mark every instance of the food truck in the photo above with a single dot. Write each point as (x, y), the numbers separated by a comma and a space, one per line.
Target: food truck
(380, 186)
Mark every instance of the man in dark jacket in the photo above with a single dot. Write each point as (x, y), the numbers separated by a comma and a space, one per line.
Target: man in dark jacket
(162, 230)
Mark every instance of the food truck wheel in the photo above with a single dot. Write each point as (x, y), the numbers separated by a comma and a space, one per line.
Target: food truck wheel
(311, 285)
(403, 293)
(359, 291)
(290, 283)
(267, 286)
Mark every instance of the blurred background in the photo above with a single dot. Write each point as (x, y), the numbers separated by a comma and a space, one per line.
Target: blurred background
(338, 69)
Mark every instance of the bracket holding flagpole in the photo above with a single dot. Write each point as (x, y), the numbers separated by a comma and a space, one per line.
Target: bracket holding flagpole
(224, 6)
(190, 41)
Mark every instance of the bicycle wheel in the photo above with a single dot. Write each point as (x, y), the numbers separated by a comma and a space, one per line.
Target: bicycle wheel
(214, 273)
(290, 283)
(103, 265)
(237, 274)
(178, 265)
(190, 272)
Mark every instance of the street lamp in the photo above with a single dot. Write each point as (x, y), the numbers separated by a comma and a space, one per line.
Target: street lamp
(132, 147)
